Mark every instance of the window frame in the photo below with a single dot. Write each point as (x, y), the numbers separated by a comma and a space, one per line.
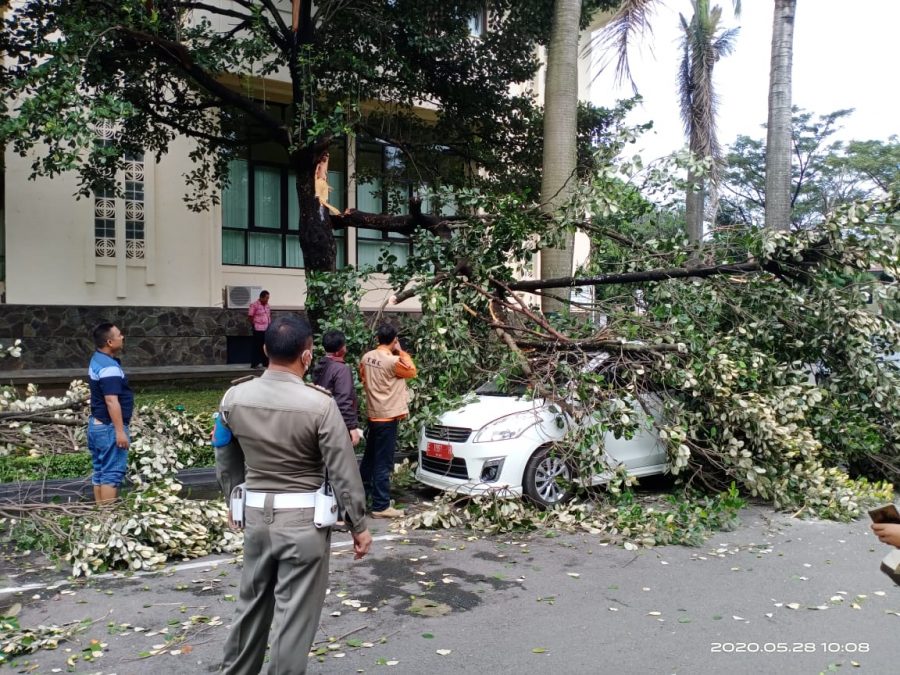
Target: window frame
(284, 230)
(364, 145)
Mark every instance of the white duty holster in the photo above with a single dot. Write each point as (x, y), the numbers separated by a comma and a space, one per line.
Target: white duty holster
(238, 502)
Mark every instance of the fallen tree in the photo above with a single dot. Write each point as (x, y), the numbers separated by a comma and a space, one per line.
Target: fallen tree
(728, 337)
(151, 524)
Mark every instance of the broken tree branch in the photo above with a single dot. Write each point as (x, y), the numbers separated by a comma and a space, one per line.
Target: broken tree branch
(636, 277)
(592, 345)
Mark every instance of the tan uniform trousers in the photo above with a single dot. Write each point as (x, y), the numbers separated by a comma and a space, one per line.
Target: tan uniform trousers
(285, 577)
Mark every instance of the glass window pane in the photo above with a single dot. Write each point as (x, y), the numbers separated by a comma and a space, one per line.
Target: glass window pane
(401, 251)
(341, 243)
(338, 195)
(476, 24)
(235, 197)
(367, 253)
(449, 208)
(398, 199)
(233, 248)
(293, 203)
(394, 161)
(265, 249)
(294, 254)
(368, 196)
(267, 197)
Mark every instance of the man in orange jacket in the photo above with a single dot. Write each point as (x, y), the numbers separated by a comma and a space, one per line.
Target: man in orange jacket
(384, 372)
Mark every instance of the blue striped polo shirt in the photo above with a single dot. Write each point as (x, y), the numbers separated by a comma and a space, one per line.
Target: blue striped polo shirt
(107, 378)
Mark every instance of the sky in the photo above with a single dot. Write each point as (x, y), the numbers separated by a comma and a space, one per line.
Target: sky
(845, 56)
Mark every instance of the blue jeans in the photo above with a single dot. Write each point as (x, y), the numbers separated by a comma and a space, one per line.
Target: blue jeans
(109, 460)
(378, 463)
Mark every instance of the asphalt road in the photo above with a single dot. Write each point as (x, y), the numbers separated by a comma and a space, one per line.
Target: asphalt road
(776, 595)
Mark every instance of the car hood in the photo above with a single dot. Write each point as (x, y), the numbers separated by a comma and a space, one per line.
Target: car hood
(484, 409)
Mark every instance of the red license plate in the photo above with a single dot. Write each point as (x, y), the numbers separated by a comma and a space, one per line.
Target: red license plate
(439, 451)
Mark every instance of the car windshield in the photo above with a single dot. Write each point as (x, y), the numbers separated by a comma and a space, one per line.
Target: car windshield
(501, 386)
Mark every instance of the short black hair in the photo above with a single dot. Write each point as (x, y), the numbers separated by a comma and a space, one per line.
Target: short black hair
(287, 337)
(101, 334)
(386, 334)
(333, 340)
(263, 293)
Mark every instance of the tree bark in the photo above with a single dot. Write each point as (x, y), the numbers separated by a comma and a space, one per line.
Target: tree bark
(560, 134)
(693, 208)
(778, 141)
(315, 232)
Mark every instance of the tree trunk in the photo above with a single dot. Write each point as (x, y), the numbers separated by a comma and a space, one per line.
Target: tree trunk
(314, 232)
(560, 134)
(778, 141)
(693, 208)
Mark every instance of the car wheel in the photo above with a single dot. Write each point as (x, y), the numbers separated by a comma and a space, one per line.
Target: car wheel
(548, 478)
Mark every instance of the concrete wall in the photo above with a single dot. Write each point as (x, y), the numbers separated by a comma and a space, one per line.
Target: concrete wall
(50, 243)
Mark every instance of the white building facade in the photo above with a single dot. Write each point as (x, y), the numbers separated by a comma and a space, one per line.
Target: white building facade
(146, 249)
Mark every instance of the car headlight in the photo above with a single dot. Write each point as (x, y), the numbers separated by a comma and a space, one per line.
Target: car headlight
(505, 428)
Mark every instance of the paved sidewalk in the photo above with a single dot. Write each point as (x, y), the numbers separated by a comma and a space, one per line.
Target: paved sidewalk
(776, 595)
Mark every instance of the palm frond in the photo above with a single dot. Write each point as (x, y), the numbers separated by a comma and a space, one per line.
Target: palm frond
(612, 42)
(684, 77)
(726, 42)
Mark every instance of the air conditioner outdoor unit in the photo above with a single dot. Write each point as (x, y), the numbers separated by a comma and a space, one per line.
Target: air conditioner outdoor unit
(240, 297)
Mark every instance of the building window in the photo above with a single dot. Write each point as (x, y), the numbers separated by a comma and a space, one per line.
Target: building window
(478, 23)
(108, 207)
(134, 207)
(382, 186)
(261, 210)
(105, 223)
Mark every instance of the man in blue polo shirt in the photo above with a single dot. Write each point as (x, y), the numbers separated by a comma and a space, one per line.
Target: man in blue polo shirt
(112, 402)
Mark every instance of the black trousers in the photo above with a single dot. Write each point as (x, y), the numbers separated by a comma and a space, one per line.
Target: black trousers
(258, 357)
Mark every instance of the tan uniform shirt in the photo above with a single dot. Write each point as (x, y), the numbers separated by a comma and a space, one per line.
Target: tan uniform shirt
(285, 432)
(384, 378)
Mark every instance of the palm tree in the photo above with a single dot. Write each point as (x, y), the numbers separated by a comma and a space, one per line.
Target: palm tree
(560, 134)
(703, 43)
(778, 137)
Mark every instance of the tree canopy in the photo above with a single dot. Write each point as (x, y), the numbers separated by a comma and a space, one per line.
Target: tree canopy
(825, 173)
(430, 77)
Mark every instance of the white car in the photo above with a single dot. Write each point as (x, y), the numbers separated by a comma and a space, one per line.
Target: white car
(502, 441)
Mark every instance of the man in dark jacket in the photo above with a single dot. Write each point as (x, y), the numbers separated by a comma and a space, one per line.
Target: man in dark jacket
(333, 374)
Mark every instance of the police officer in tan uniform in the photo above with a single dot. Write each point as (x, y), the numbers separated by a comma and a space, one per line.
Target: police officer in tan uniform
(284, 433)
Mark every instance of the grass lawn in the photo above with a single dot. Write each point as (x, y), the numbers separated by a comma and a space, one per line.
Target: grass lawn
(195, 398)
